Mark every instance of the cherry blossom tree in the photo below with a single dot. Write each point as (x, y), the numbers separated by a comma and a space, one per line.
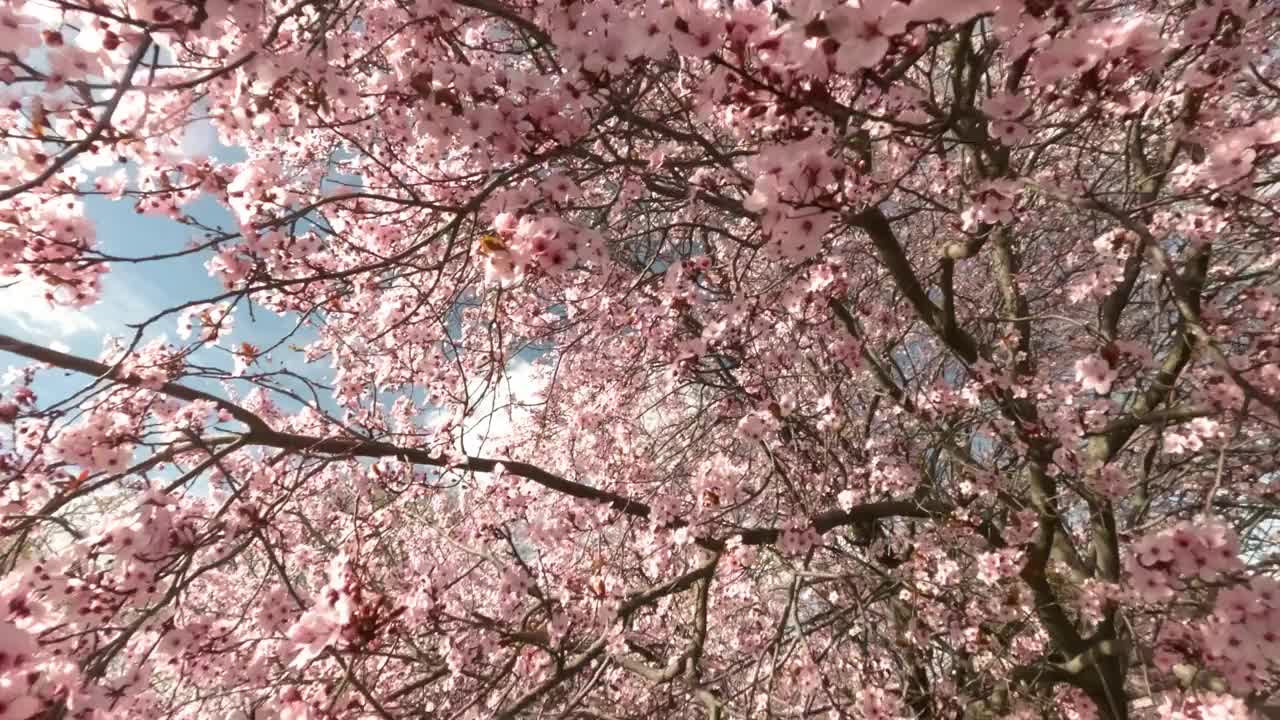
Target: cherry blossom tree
(753, 359)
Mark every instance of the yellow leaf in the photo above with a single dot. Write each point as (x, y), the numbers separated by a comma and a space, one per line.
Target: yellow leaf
(491, 244)
(37, 117)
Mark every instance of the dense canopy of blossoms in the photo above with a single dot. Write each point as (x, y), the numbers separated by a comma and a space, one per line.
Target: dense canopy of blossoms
(653, 359)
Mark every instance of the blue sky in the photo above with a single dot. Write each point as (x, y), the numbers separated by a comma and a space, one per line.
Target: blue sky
(133, 292)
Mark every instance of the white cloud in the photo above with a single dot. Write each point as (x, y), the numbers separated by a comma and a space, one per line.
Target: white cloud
(200, 140)
(503, 407)
(23, 305)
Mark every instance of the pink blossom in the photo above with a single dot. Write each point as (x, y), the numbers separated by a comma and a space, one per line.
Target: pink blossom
(18, 32)
(1095, 374)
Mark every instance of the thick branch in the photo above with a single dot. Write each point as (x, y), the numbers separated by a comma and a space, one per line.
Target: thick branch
(262, 435)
